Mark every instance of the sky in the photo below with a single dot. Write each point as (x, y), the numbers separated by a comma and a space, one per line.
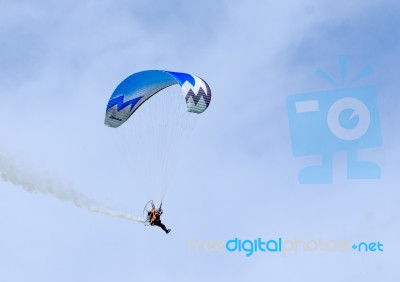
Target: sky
(237, 175)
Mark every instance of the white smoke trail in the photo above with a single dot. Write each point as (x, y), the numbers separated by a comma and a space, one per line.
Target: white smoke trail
(25, 179)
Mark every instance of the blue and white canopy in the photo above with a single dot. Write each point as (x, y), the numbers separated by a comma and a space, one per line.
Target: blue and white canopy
(139, 87)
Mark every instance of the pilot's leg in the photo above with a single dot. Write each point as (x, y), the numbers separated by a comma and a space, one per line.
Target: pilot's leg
(158, 223)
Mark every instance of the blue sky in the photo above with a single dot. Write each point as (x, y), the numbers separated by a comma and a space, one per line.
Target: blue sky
(59, 64)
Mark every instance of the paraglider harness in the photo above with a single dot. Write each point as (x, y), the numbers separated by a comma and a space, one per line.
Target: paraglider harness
(153, 216)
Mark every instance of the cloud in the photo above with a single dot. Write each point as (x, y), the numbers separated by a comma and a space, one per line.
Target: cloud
(61, 61)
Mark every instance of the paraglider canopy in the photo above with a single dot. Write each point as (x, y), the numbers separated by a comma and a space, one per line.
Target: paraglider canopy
(139, 87)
